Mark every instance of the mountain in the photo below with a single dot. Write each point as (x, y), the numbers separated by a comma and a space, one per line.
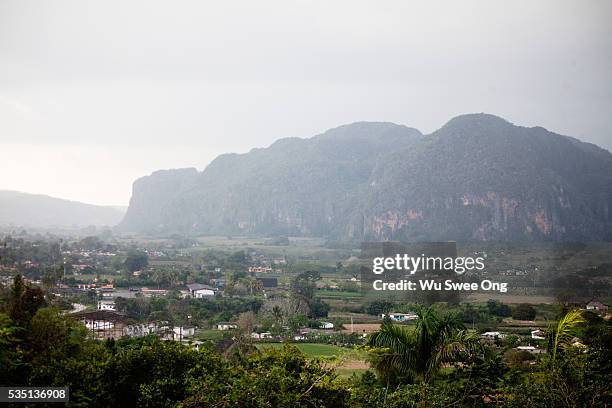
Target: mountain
(34, 210)
(295, 186)
(479, 177)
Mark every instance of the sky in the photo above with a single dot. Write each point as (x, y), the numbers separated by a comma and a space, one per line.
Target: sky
(95, 94)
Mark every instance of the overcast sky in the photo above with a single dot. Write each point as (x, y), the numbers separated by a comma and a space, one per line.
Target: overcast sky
(96, 94)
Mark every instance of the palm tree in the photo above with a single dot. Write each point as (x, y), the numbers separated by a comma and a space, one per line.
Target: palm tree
(418, 354)
(174, 279)
(158, 277)
(561, 336)
(254, 285)
(278, 314)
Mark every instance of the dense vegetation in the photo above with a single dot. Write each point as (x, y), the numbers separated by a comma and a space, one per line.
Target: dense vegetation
(437, 364)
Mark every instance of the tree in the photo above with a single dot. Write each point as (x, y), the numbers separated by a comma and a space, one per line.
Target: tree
(246, 322)
(564, 331)
(52, 335)
(318, 308)
(497, 308)
(417, 355)
(10, 359)
(524, 311)
(136, 261)
(24, 301)
(379, 307)
(275, 378)
(277, 313)
(304, 284)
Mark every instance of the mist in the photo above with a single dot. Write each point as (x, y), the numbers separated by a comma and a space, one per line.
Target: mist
(96, 94)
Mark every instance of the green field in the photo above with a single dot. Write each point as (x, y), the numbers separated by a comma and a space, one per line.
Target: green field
(310, 349)
(325, 293)
(210, 334)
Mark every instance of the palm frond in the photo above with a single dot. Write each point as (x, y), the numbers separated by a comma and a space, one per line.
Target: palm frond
(564, 331)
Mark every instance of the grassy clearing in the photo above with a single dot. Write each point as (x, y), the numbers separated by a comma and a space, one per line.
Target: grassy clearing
(347, 373)
(323, 293)
(209, 334)
(346, 362)
(310, 349)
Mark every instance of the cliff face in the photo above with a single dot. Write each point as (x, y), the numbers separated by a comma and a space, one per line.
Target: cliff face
(477, 178)
(482, 178)
(151, 194)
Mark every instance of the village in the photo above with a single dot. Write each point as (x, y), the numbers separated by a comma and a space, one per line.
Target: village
(252, 291)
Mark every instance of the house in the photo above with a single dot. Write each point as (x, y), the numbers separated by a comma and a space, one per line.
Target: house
(326, 325)
(400, 317)
(531, 349)
(259, 269)
(99, 325)
(107, 305)
(261, 336)
(597, 306)
(140, 330)
(492, 335)
(226, 326)
(153, 292)
(181, 332)
(199, 290)
(538, 335)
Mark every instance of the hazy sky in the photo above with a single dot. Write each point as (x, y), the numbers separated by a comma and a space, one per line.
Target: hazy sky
(96, 94)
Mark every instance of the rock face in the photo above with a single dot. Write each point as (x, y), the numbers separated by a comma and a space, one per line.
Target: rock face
(151, 194)
(479, 177)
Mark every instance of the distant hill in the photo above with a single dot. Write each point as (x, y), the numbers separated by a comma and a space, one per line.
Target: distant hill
(479, 177)
(34, 210)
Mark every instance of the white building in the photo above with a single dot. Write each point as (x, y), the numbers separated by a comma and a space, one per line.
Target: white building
(107, 305)
(492, 335)
(226, 326)
(400, 317)
(326, 325)
(198, 290)
(99, 325)
(182, 332)
(261, 336)
(538, 335)
(140, 330)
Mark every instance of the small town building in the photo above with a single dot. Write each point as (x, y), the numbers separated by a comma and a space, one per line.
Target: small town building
(107, 305)
(261, 336)
(180, 332)
(226, 326)
(199, 290)
(492, 335)
(597, 306)
(260, 269)
(153, 292)
(400, 317)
